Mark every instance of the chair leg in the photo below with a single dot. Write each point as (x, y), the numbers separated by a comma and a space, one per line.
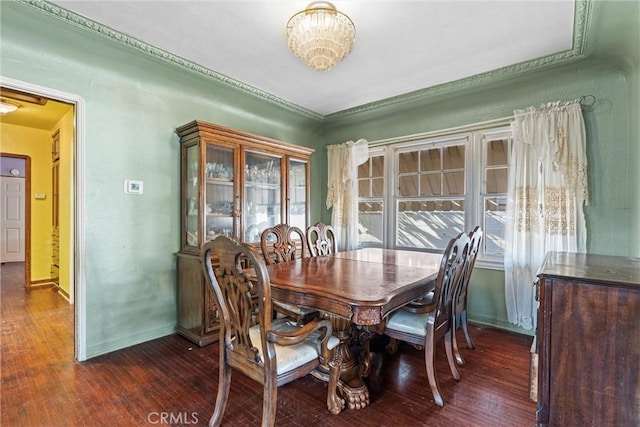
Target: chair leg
(334, 402)
(392, 346)
(365, 355)
(465, 328)
(269, 402)
(454, 338)
(448, 345)
(429, 359)
(224, 383)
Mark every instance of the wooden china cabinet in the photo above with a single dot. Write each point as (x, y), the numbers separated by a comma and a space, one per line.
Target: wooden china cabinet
(237, 184)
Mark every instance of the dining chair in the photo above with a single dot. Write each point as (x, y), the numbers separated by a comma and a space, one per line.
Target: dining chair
(283, 243)
(460, 302)
(271, 352)
(425, 325)
(321, 239)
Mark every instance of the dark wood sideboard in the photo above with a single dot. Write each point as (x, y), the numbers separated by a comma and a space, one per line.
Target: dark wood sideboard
(589, 341)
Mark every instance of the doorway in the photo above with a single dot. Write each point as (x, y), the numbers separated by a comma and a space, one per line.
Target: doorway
(55, 120)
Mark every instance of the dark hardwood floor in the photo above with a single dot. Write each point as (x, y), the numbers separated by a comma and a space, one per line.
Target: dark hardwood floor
(169, 381)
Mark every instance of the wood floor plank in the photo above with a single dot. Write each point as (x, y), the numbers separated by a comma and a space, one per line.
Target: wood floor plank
(172, 378)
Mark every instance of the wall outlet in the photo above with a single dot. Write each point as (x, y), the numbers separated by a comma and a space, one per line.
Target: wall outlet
(40, 196)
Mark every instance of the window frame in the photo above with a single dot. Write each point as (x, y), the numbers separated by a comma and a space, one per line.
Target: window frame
(428, 143)
(475, 139)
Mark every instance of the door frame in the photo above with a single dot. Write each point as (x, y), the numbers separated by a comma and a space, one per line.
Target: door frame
(27, 214)
(77, 289)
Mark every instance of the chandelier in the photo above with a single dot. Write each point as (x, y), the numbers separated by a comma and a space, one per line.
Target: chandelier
(320, 35)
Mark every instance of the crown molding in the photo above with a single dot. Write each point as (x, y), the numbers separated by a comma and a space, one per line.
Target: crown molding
(582, 18)
(131, 42)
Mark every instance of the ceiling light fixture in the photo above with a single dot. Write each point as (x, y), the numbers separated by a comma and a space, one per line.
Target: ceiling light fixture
(320, 35)
(8, 107)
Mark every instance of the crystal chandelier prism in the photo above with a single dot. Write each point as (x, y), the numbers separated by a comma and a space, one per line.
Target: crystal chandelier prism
(320, 35)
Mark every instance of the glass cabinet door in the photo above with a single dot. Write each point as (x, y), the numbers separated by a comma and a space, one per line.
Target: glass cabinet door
(262, 194)
(298, 194)
(191, 196)
(220, 199)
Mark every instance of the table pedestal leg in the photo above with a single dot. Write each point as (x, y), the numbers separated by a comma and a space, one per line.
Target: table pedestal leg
(351, 386)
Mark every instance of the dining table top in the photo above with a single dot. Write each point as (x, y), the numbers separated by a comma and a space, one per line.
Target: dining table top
(361, 285)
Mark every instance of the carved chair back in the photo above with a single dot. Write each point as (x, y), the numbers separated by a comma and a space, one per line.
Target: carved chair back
(475, 238)
(449, 280)
(241, 302)
(321, 240)
(282, 243)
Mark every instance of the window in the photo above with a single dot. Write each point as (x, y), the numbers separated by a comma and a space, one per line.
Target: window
(371, 200)
(436, 188)
(430, 195)
(496, 147)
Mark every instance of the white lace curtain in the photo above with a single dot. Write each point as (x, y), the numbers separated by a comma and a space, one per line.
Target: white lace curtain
(547, 189)
(342, 189)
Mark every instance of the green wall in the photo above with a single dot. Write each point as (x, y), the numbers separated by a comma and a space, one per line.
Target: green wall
(134, 102)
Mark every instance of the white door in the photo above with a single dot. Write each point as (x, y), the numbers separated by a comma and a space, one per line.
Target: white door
(12, 221)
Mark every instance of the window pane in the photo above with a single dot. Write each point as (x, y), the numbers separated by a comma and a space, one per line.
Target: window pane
(453, 157)
(408, 186)
(496, 181)
(377, 187)
(370, 223)
(377, 166)
(408, 162)
(363, 169)
(497, 152)
(430, 185)
(453, 183)
(363, 188)
(429, 225)
(495, 212)
(430, 160)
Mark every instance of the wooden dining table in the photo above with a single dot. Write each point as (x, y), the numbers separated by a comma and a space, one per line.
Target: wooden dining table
(354, 289)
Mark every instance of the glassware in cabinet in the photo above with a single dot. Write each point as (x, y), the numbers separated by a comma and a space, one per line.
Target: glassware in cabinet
(262, 194)
(298, 193)
(220, 196)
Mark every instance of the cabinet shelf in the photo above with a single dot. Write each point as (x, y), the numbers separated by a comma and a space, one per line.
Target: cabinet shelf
(220, 181)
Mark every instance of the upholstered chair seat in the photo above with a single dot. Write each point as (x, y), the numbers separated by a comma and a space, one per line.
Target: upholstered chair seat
(290, 357)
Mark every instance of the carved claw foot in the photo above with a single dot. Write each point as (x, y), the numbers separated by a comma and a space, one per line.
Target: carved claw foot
(356, 398)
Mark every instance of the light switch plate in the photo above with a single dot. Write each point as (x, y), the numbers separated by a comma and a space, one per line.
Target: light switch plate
(132, 186)
(40, 196)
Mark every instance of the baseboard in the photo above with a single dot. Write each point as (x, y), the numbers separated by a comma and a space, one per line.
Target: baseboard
(501, 325)
(42, 283)
(49, 283)
(64, 293)
(128, 341)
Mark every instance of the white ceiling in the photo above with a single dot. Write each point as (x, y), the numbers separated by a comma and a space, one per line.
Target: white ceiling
(401, 46)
